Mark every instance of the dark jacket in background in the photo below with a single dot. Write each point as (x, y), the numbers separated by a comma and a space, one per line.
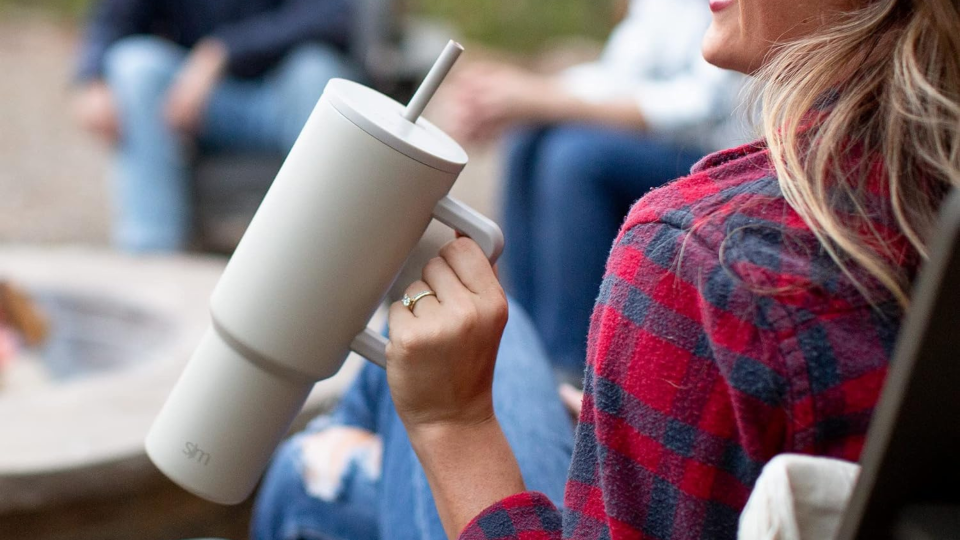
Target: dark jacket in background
(257, 33)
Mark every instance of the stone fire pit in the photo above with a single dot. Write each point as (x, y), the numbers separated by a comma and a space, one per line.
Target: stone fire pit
(122, 329)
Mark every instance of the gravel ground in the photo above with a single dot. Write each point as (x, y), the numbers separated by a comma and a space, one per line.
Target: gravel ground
(52, 177)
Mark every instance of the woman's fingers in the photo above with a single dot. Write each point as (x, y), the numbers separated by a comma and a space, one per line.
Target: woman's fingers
(471, 265)
(438, 275)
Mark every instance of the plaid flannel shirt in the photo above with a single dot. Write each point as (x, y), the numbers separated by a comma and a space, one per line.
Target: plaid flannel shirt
(723, 335)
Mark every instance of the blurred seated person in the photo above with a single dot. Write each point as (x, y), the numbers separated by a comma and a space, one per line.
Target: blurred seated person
(586, 143)
(159, 78)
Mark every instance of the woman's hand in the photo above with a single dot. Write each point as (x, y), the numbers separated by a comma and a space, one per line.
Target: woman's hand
(440, 363)
(441, 356)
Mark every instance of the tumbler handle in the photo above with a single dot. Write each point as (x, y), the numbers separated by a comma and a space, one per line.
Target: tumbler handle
(463, 219)
(469, 222)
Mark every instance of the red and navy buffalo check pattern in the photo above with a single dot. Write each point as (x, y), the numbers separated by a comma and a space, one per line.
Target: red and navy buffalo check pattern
(723, 335)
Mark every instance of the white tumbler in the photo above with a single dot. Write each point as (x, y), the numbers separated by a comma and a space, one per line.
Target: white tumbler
(352, 199)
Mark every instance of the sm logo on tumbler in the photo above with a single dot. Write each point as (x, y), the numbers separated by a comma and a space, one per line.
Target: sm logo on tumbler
(193, 451)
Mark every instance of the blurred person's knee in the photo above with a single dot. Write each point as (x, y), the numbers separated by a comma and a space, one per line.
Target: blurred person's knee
(570, 158)
(139, 67)
(303, 75)
(520, 144)
(318, 63)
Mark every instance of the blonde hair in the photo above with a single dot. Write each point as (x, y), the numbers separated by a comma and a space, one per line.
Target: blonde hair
(891, 70)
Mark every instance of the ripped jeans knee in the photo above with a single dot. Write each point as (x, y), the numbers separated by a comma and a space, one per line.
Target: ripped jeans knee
(322, 484)
(335, 457)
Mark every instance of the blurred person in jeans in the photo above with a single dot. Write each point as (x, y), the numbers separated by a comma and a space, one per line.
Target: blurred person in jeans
(158, 78)
(584, 144)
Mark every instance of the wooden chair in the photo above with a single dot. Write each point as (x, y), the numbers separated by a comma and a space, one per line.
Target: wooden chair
(909, 487)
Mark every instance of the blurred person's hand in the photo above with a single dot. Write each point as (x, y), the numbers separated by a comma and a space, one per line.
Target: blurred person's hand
(96, 111)
(572, 399)
(486, 98)
(196, 80)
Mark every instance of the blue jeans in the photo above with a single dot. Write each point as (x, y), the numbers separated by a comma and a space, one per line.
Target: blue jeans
(396, 503)
(152, 175)
(567, 190)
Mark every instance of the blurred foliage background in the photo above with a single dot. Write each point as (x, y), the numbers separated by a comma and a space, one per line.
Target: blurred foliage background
(65, 8)
(517, 25)
(523, 25)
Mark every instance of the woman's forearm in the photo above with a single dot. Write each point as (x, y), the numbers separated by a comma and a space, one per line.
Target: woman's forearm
(469, 468)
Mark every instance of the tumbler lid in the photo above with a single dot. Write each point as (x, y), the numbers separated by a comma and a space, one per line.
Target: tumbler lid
(382, 118)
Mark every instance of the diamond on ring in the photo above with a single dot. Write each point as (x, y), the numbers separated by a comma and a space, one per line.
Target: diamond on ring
(409, 303)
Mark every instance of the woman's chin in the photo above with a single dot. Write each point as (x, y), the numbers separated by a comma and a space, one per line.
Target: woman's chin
(720, 48)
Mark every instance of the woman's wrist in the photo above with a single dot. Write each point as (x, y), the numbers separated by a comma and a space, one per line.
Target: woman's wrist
(438, 436)
(469, 466)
